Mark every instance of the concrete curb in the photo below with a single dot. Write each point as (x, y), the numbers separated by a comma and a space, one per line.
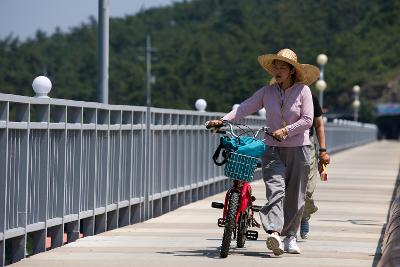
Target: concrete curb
(391, 240)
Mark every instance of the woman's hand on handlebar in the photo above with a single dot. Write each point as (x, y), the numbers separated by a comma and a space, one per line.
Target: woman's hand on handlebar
(214, 124)
(280, 134)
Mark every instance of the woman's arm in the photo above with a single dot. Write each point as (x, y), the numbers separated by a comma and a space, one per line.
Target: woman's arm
(320, 132)
(306, 114)
(247, 107)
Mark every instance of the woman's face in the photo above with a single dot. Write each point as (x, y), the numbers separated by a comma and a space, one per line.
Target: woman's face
(282, 71)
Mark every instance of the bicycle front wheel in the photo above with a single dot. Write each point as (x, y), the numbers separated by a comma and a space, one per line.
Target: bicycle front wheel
(241, 231)
(230, 224)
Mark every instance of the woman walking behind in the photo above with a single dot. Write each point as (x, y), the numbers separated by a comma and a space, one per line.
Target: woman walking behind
(285, 164)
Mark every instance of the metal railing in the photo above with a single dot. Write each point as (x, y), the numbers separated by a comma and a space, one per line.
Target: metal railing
(340, 135)
(71, 168)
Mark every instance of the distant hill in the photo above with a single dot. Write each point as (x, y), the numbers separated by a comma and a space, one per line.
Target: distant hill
(208, 49)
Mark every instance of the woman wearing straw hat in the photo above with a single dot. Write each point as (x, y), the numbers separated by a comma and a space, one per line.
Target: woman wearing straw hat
(286, 164)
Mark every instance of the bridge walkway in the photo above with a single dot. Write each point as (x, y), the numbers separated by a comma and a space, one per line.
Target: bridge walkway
(346, 231)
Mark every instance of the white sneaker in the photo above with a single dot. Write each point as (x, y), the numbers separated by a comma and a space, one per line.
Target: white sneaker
(275, 244)
(290, 245)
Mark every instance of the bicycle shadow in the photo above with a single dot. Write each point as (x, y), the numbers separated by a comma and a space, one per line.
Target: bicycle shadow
(213, 253)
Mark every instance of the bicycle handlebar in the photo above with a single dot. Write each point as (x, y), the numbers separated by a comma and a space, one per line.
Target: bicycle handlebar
(216, 129)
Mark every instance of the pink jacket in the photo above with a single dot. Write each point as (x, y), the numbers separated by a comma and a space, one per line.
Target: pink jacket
(298, 112)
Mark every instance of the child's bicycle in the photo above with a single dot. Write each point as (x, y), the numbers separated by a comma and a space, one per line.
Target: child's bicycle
(238, 208)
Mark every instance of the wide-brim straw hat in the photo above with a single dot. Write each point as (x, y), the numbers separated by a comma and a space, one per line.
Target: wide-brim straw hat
(305, 73)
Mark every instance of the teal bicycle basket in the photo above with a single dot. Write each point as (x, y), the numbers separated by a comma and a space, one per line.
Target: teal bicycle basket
(240, 167)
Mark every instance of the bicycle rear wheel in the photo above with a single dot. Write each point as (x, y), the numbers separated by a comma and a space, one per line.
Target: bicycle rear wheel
(230, 224)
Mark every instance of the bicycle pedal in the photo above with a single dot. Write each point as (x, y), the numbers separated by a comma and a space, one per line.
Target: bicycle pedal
(254, 223)
(256, 208)
(221, 222)
(217, 205)
(251, 235)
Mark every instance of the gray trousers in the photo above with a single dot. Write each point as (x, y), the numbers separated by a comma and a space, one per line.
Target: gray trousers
(313, 177)
(285, 174)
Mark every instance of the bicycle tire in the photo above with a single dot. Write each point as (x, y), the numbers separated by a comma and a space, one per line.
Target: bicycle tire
(230, 224)
(241, 232)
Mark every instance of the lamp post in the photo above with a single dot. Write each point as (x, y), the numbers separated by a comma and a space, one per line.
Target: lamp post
(356, 103)
(322, 59)
(103, 54)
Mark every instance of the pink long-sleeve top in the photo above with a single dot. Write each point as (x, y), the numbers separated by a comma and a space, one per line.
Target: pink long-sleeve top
(298, 112)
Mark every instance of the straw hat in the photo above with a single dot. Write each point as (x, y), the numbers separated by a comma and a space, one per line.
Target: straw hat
(305, 73)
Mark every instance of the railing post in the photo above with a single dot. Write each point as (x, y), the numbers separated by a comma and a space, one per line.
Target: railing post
(108, 169)
(4, 118)
(74, 171)
(147, 172)
(38, 177)
(131, 193)
(18, 244)
(89, 171)
(102, 150)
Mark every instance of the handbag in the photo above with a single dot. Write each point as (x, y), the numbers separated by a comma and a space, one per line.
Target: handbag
(243, 145)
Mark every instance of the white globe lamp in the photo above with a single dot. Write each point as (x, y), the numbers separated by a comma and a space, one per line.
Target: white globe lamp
(356, 89)
(322, 59)
(262, 112)
(320, 85)
(42, 86)
(235, 106)
(201, 105)
(356, 104)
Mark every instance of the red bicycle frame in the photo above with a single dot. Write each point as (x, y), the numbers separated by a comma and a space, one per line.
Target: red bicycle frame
(244, 189)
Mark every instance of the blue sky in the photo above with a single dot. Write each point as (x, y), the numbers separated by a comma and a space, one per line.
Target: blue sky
(22, 18)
